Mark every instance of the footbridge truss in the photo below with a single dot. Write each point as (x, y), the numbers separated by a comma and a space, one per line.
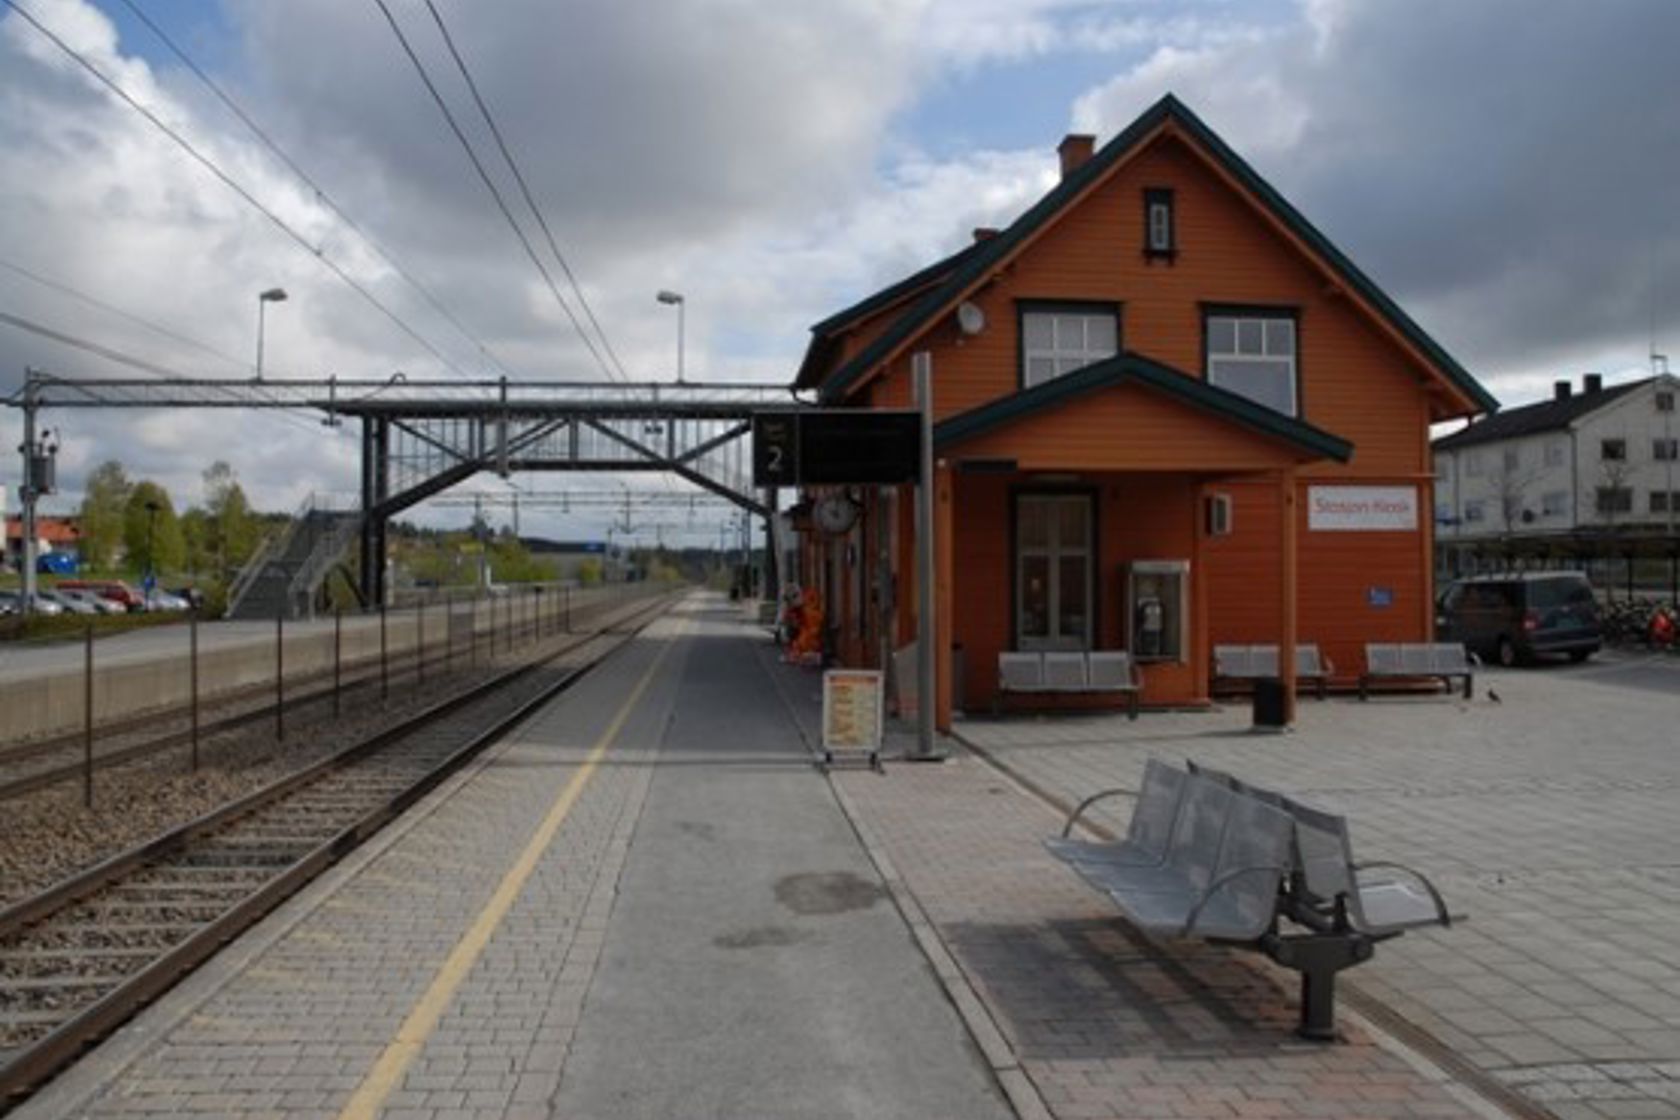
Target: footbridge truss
(421, 437)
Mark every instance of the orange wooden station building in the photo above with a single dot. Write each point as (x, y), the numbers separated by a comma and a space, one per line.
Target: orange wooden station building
(1168, 414)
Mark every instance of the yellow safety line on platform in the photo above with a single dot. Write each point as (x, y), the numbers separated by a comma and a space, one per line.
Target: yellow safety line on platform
(399, 1054)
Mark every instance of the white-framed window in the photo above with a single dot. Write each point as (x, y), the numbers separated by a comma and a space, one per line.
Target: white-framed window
(1053, 565)
(1253, 355)
(1473, 512)
(1555, 453)
(1158, 233)
(1554, 503)
(1055, 341)
(1660, 500)
(1613, 450)
(1513, 458)
(1473, 464)
(1664, 450)
(1665, 401)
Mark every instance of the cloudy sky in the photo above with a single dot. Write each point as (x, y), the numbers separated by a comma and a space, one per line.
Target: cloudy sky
(1509, 170)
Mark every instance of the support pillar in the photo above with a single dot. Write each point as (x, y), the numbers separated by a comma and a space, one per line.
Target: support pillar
(376, 474)
(1288, 630)
(944, 615)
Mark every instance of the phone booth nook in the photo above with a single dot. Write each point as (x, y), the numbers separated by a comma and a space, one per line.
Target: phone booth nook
(1157, 605)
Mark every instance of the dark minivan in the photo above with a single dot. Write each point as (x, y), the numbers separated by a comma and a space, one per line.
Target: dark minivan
(1510, 618)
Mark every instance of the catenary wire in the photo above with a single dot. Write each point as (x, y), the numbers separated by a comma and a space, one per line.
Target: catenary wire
(524, 189)
(320, 192)
(489, 183)
(112, 354)
(211, 166)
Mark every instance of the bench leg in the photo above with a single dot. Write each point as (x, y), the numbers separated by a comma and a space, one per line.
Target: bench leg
(1132, 705)
(1469, 686)
(1318, 957)
(1362, 681)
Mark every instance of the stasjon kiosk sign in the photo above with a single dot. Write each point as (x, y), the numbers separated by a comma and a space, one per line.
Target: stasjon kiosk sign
(1362, 509)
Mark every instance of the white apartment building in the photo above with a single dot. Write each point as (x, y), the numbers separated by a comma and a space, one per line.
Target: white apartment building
(1587, 465)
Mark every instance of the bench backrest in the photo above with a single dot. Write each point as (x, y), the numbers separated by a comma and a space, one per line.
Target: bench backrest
(1020, 671)
(1064, 670)
(1110, 668)
(1383, 657)
(1308, 661)
(1158, 803)
(1239, 662)
(1320, 848)
(1199, 831)
(1257, 836)
(1449, 657)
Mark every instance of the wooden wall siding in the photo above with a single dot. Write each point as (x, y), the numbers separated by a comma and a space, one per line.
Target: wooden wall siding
(1338, 571)
(1139, 517)
(1128, 427)
(1355, 382)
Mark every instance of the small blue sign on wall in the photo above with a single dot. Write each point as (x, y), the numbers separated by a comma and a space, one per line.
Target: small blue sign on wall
(1380, 596)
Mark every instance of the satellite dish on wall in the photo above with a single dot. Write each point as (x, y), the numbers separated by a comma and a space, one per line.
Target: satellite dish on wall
(970, 319)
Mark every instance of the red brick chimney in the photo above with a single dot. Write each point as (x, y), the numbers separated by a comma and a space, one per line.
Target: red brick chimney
(1075, 149)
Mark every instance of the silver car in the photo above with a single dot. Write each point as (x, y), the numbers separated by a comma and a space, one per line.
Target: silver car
(96, 602)
(67, 601)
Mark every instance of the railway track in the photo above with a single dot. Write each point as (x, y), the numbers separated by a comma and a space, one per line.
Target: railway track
(31, 766)
(83, 956)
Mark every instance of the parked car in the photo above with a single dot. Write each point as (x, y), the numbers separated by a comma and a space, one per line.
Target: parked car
(11, 602)
(70, 603)
(114, 589)
(56, 564)
(92, 598)
(1512, 618)
(157, 599)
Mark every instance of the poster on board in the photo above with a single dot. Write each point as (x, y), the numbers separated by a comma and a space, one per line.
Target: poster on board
(1362, 509)
(852, 715)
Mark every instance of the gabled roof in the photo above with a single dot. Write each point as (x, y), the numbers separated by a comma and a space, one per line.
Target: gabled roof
(822, 333)
(989, 254)
(1532, 419)
(1129, 366)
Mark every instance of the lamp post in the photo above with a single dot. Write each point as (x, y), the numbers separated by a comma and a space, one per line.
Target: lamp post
(273, 295)
(151, 538)
(676, 298)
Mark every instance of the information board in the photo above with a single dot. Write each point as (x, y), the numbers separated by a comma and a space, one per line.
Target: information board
(852, 713)
(836, 446)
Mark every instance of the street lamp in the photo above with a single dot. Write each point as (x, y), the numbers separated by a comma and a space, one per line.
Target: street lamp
(676, 298)
(151, 537)
(273, 295)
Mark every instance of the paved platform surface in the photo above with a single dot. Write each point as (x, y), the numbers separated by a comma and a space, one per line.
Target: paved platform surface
(1551, 817)
(647, 903)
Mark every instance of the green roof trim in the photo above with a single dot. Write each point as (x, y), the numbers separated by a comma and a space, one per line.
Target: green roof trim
(1131, 366)
(990, 252)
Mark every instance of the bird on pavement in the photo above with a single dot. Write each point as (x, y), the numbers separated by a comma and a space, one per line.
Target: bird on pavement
(1494, 696)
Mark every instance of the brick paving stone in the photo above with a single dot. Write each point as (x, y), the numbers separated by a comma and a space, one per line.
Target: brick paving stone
(1547, 818)
(1104, 1022)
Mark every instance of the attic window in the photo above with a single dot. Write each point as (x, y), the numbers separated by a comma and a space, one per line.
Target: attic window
(1159, 232)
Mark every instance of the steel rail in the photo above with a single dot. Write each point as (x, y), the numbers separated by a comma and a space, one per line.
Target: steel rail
(40, 1059)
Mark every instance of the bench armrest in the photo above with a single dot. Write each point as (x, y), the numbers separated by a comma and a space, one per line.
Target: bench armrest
(1079, 810)
(1441, 912)
(1219, 884)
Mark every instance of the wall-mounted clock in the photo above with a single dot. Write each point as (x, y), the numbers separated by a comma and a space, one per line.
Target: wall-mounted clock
(835, 514)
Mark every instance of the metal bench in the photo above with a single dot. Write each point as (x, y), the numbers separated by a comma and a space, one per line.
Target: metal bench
(1093, 671)
(1260, 662)
(1444, 661)
(1237, 861)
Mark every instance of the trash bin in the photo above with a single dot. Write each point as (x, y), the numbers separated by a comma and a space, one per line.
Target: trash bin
(1270, 709)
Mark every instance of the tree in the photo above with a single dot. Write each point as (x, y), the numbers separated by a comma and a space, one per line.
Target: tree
(151, 532)
(230, 529)
(104, 505)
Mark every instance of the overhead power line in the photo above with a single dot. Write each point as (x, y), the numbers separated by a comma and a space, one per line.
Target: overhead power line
(111, 354)
(211, 166)
(524, 189)
(489, 184)
(320, 192)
